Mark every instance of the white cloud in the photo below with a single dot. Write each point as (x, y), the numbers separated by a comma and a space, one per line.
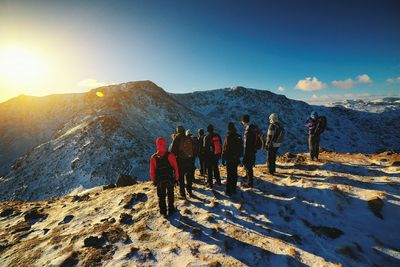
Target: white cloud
(346, 84)
(91, 83)
(393, 80)
(281, 88)
(310, 84)
(349, 83)
(364, 78)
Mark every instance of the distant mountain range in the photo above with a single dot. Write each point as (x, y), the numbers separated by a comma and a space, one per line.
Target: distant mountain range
(52, 145)
(373, 105)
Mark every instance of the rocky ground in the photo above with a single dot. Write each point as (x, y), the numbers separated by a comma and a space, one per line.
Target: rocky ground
(342, 210)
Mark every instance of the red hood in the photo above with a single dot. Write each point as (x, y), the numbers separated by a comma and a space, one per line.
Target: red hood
(161, 144)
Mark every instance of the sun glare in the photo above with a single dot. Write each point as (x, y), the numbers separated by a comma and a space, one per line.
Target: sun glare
(100, 94)
(21, 66)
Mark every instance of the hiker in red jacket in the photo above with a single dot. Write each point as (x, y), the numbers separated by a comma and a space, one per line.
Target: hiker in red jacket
(163, 169)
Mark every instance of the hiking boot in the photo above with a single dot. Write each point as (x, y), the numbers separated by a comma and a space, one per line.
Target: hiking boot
(247, 185)
(171, 212)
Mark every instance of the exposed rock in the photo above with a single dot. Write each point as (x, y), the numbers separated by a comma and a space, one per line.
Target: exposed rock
(375, 205)
(7, 212)
(34, 215)
(77, 198)
(330, 232)
(67, 219)
(126, 219)
(125, 180)
(72, 260)
(94, 242)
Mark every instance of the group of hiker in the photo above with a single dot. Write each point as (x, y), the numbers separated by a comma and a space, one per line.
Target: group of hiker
(177, 165)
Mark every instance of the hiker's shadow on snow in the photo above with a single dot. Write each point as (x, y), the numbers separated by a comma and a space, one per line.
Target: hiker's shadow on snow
(244, 252)
(324, 207)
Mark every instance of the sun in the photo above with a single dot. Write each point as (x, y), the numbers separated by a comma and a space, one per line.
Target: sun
(21, 66)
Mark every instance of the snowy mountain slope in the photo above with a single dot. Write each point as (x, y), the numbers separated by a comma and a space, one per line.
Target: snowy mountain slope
(310, 214)
(84, 140)
(348, 130)
(114, 135)
(27, 121)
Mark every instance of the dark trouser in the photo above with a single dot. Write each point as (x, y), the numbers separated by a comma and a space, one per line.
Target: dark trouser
(202, 163)
(213, 170)
(192, 169)
(232, 176)
(185, 170)
(271, 159)
(164, 189)
(249, 163)
(313, 145)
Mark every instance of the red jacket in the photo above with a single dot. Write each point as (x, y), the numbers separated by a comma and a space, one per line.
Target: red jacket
(161, 144)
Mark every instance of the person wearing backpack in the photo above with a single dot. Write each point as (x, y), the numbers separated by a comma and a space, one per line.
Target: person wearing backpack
(213, 149)
(316, 125)
(275, 136)
(231, 153)
(163, 170)
(200, 142)
(252, 142)
(195, 153)
(182, 147)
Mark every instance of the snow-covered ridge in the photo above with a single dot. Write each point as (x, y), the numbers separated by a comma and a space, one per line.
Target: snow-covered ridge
(373, 105)
(52, 145)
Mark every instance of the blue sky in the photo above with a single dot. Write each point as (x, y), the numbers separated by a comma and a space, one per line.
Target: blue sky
(316, 51)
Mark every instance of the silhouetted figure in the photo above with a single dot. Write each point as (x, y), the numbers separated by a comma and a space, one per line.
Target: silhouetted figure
(195, 153)
(316, 125)
(202, 162)
(163, 165)
(213, 149)
(182, 147)
(231, 154)
(275, 136)
(250, 149)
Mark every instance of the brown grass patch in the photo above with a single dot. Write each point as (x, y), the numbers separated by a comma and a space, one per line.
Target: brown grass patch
(144, 236)
(292, 252)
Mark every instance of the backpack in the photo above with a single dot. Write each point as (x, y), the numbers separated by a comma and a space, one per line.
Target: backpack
(164, 170)
(237, 147)
(279, 135)
(186, 149)
(258, 138)
(321, 125)
(216, 144)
